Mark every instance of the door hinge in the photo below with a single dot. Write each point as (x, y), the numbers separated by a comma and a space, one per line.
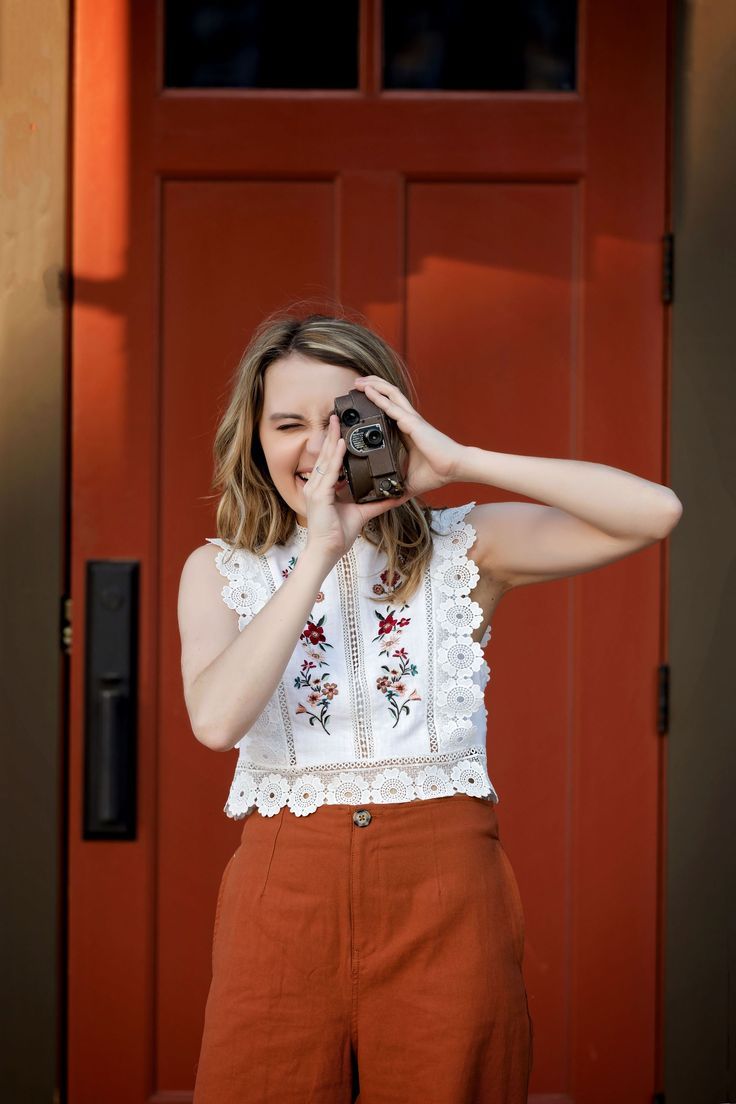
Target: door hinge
(668, 268)
(65, 637)
(663, 699)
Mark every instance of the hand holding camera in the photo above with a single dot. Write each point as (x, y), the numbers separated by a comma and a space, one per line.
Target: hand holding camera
(365, 444)
(363, 449)
(434, 458)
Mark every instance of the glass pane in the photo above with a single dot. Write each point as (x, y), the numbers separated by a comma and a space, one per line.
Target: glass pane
(261, 44)
(480, 45)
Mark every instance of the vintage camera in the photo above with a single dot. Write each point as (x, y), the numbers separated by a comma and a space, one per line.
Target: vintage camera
(373, 448)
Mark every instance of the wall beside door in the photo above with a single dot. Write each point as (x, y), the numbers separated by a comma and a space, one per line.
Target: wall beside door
(33, 326)
(700, 1018)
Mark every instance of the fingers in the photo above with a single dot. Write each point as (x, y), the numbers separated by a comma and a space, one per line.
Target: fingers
(338, 450)
(384, 394)
(331, 453)
(383, 507)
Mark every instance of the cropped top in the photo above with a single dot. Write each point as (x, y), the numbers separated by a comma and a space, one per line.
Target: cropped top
(379, 701)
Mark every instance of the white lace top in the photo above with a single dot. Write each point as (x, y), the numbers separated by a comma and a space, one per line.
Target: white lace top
(379, 702)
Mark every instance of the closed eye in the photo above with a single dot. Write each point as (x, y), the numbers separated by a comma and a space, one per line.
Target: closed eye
(295, 426)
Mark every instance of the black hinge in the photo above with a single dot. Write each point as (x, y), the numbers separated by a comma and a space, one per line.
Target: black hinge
(668, 268)
(66, 624)
(663, 699)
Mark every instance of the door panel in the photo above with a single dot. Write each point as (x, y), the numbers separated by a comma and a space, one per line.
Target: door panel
(221, 244)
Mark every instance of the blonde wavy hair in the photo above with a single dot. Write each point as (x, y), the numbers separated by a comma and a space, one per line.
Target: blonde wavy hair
(251, 514)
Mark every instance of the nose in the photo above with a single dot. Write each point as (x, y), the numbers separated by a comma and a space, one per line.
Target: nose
(317, 438)
(315, 441)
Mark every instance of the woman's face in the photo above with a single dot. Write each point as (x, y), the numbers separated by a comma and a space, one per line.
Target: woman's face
(299, 395)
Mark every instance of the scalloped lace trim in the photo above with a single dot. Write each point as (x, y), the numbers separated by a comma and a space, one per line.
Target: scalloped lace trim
(303, 790)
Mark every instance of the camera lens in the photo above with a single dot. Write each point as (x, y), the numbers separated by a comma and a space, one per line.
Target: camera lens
(350, 416)
(373, 437)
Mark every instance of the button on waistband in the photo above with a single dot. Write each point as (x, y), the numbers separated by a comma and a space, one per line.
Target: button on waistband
(362, 818)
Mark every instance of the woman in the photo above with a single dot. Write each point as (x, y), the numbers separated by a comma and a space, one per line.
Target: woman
(368, 930)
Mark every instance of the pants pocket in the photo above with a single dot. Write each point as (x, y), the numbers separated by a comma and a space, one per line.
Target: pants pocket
(531, 1030)
(218, 905)
(513, 897)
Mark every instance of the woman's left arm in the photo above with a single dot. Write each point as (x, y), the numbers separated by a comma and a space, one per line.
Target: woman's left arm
(595, 514)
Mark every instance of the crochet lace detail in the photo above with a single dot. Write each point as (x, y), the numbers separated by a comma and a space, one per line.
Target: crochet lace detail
(458, 760)
(245, 591)
(304, 789)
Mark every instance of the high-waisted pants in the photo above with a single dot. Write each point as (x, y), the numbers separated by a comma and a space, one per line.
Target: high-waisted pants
(368, 953)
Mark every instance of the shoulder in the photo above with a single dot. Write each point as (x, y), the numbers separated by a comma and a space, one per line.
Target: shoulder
(480, 524)
(459, 536)
(202, 574)
(204, 562)
(485, 518)
(206, 598)
(217, 559)
(215, 569)
(234, 574)
(498, 525)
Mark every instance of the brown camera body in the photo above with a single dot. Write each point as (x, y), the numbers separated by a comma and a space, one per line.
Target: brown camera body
(372, 448)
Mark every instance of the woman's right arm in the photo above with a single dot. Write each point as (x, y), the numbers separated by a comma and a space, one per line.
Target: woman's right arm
(229, 676)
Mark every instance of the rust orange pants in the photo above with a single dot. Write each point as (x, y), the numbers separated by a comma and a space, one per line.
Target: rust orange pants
(374, 957)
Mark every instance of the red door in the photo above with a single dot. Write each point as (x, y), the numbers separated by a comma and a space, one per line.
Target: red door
(503, 229)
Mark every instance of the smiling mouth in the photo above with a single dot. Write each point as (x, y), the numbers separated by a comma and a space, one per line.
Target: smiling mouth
(342, 481)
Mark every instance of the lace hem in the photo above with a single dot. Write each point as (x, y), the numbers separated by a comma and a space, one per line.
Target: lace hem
(304, 789)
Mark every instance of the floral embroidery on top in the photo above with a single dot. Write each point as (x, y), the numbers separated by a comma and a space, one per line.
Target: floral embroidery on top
(386, 587)
(393, 682)
(313, 638)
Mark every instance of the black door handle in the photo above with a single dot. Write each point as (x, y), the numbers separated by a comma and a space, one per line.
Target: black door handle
(111, 700)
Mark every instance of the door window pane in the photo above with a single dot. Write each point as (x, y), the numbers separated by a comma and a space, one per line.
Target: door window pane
(481, 45)
(261, 44)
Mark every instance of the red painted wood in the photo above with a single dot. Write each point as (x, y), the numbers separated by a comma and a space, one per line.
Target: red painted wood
(508, 244)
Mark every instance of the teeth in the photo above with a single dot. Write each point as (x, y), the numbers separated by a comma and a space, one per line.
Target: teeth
(304, 477)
